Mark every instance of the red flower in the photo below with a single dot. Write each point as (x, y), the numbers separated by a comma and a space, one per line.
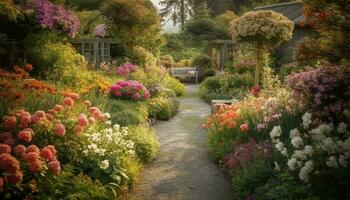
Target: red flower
(49, 117)
(46, 153)
(52, 112)
(8, 163)
(15, 177)
(33, 148)
(52, 148)
(5, 148)
(28, 67)
(82, 120)
(68, 101)
(232, 124)
(58, 108)
(4, 136)
(74, 96)
(1, 184)
(25, 136)
(10, 122)
(20, 150)
(93, 109)
(40, 114)
(60, 130)
(54, 166)
(255, 90)
(25, 121)
(244, 128)
(31, 157)
(35, 166)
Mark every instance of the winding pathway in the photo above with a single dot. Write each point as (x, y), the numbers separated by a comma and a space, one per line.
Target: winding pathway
(183, 170)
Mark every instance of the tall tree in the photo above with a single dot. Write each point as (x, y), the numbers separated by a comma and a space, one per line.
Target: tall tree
(179, 11)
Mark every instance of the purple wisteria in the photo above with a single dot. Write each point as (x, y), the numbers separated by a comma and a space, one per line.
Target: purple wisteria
(53, 16)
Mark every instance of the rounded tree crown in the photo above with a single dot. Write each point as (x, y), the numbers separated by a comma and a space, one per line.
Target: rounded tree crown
(264, 27)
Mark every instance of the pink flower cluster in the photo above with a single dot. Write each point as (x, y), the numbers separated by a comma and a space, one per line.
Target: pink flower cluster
(245, 152)
(323, 89)
(126, 69)
(130, 90)
(55, 16)
(101, 30)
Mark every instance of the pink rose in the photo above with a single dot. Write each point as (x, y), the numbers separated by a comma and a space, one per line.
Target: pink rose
(82, 120)
(31, 157)
(60, 130)
(5, 148)
(244, 128)
(10, 122)
(40, 114)
(118, 94)
(58, 108)
(46, 153)
(35, 166)
(68, 101)
(20, 150)
(136, 96)
(33, 148)
(54, 166)
(74, 96)
(25, 121)
(25, 136)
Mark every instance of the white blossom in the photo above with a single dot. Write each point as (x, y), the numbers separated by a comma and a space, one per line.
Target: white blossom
(104, 164)
(276, 132)
(277, 167)
(307, 120)
(332, 162)
(294, 133)
(292, 163)
(308, 150)
(297, 142)
(107, 115)
(342, 127)
(305, 171)
(342, 161)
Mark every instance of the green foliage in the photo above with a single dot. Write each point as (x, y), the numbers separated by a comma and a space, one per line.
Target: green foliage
(202, 62)
(73, 187)
(209, 73)
(146, 143)
(88, 22)
(127, 113)
(284, 186)
(10, 10)
(251, 175)
(226, 87)
(174, 85)
(134, 23)
(225, 19)
(206, 29)
(56, 61)
(162, 108)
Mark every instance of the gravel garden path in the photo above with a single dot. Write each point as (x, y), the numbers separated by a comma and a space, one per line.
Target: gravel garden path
(183, 170)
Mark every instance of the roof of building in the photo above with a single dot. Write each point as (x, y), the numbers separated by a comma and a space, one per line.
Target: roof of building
(292, 10)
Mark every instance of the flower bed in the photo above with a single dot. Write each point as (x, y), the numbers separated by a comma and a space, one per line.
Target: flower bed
(129, 90)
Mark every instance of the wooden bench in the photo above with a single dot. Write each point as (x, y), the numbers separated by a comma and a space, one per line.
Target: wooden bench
(185, 72)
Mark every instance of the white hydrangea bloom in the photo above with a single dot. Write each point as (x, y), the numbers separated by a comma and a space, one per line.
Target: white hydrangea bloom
(104, 164)
(342, 161)
(279, 146)
(329, 145)
(298, 154)
(308, 150)
(292, 163)
(342, 127)
(306, 170)
(294, 133)
(297, 142)
(332, 162)
(284, 152)
(307, 119)
(107, 115)
(276, 132)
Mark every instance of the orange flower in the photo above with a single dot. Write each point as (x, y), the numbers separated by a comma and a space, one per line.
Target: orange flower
(232, 124)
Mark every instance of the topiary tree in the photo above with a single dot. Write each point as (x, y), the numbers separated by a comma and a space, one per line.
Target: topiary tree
(263, 28)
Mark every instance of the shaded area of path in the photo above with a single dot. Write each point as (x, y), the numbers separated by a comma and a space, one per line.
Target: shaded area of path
(183, 170)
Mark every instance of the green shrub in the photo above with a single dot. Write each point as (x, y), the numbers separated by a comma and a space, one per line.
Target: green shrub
(71, 186)
(173, 84)
(284, 186)
(56, 62)
(251, 175)
(226, 87)
(202, 62)
(209, 73)
(146, 143)
(127, 113)
(162, 108)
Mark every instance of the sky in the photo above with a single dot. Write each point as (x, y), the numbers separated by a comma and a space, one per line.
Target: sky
(169, 26)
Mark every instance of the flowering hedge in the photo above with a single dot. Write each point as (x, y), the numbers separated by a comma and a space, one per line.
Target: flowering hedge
(129, 90)
(52, 16)
(126, 69)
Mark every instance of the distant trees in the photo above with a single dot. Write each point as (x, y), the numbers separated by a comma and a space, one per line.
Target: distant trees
(178, 11)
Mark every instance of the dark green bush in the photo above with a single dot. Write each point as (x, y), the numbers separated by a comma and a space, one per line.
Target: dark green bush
(202, 62)
(251, 175)
(209, 73)
(226, 86)
(127, 113)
